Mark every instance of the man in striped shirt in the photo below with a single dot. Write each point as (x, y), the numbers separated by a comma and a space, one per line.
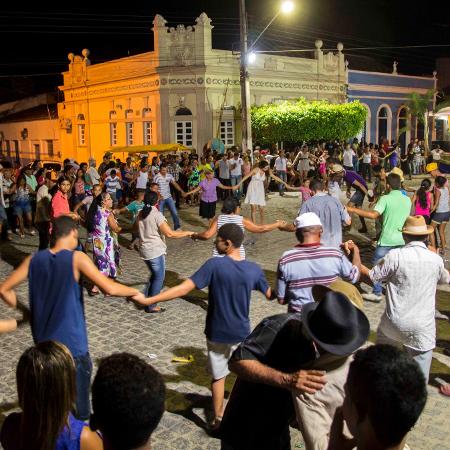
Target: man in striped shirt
(310, 263)
(164, 180)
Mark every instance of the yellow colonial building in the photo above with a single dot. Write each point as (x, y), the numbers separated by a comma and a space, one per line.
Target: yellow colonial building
(184, 91)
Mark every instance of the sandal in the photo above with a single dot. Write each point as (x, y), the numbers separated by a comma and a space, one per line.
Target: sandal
(154, 310)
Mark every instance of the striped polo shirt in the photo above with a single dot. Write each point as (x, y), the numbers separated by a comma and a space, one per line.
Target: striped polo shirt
(305, 266)
(164, 184)
(231, 218)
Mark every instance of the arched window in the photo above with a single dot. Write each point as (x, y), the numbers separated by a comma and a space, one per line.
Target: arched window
(129, 114)
(383, 127)
(146, 112)
(183, 111)
(402, 124)
(80, 117)
(112, 115)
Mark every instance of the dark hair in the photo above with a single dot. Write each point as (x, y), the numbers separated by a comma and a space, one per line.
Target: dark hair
(316, 185)
(422, 192)
(440, 181)
(387, 385)
(163, 166)
(231, 232)
(230, 205)
(263, 164)
(394, 181)
(45, 378)
(150, 200)
(113, 172)
(377, 168)
(127, 400)
(63, 178)
(92, 211)
(62, 226)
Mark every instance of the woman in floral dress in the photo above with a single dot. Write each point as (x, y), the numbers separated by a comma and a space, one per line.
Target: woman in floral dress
(102, 224)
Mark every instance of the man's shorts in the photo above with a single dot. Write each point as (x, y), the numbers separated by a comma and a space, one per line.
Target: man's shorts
(358, 198)
(218, 356)
(440, 217)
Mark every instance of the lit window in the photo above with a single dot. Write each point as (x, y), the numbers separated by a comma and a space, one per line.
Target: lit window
(50, 148)
(113, 133)
(147, 133)
(227, 132)
(183, 133)
(81, 134)
(129, 132)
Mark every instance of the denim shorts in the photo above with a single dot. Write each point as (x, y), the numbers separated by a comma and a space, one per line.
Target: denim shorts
(440, 217)
(358, 198)
(22, 207)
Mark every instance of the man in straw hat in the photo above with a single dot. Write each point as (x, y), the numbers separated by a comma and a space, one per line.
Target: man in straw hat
(412, 274)
(275, 361)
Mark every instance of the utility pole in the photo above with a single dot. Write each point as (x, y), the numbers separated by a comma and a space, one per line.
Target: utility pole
(245, 84)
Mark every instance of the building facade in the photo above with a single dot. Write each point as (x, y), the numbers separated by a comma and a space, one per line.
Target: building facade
(385, 95)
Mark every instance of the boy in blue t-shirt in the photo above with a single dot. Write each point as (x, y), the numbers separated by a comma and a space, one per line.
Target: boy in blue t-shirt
(230, 281)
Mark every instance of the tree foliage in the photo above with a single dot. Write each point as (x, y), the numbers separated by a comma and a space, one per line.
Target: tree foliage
(303, 120)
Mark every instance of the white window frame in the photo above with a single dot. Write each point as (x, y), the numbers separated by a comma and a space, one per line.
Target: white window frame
(148, 132)
(227, 128)
(129, 129)
(182, 135)
(81, 134)
(113, 133)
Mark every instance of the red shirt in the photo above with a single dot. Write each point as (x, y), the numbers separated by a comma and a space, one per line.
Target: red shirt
(60, 205)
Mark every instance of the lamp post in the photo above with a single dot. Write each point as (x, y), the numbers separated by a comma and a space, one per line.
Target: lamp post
(246, 57)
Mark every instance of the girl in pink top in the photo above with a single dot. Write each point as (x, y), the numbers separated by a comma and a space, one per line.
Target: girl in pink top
(305, 192)
(423, 200)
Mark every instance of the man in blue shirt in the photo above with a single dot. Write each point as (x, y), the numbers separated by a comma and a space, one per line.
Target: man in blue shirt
(230, 281)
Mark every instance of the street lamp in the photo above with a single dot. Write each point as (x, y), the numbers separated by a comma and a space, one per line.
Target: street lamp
(248, 56)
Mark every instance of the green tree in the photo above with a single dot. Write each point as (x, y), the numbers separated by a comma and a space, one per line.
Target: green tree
(303, 120)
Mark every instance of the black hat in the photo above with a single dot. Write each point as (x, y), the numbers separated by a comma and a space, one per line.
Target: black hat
(335, 324)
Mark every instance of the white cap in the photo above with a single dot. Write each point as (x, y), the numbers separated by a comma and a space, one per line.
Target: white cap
(308, 219)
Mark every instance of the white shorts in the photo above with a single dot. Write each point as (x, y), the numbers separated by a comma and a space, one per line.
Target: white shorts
(218, 356)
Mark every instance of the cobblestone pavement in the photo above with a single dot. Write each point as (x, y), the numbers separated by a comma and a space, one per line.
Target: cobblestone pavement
(115, 326)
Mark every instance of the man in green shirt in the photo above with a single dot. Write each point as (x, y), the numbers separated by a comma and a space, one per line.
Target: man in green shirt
(394, 207)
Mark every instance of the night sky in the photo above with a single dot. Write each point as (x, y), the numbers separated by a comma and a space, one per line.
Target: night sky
(35, 40)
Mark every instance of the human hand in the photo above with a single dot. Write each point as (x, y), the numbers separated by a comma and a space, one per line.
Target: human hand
(349, 247)
(281, 223)
(309, 381)
(350, 209)
(184, 194)
(139, 298)
(235, 187)
(194, 236)
(348, 194)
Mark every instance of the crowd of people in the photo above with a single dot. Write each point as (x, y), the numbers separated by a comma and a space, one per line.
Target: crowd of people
(310, 366)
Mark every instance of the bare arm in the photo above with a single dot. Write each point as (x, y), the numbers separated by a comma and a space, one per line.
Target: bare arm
(7, 287)
(113, 224)
(253, 228)
(360, 186)
(303, 380)
(177, 186)
(194, 191)
(248, 176)
(175, 234)
(177, 291)
(8, 325)
(437, 196)
(90, 440)
(363, 213)
(84, 265)
(209, 233)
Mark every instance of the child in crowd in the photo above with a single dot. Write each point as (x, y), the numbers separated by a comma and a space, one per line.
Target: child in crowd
(22, 207)
(113, 185)
(423, 201)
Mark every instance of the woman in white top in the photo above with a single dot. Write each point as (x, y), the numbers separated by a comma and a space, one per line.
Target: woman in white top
(231, 214)
(153, 228)
(256, 195)
(303, 166)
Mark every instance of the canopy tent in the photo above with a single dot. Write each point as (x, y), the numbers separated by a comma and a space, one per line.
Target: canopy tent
(159, 148)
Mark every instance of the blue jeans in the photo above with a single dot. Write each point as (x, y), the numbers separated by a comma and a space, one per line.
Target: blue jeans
(172, 209)
(283, 175)
(235, 180)
(157, 267)
(380, 253)
(83, 367)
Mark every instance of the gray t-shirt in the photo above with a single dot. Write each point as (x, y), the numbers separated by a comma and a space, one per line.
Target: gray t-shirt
(224, 170)
(152, 241)
(331, 214)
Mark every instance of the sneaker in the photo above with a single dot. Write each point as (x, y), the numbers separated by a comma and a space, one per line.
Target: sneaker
(366, 288)
(32, 233)
(371, 297)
